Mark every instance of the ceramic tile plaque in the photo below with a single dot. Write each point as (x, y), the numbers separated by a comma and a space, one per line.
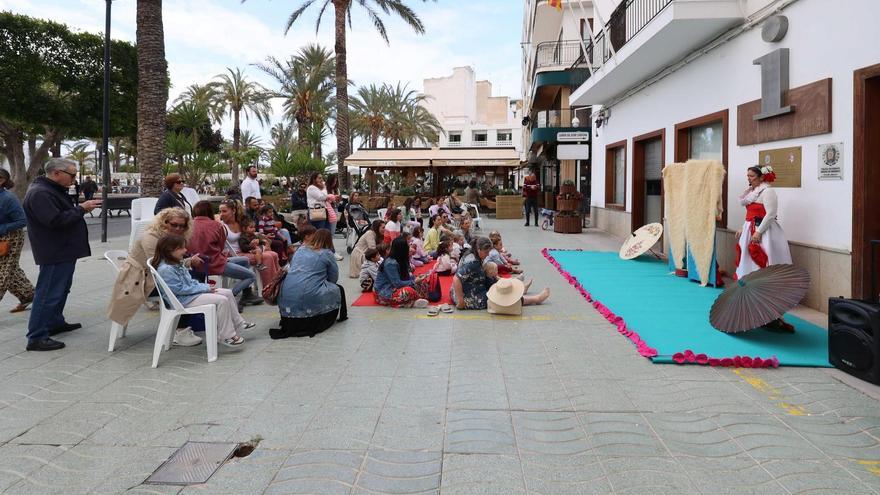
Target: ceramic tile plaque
(786, 162)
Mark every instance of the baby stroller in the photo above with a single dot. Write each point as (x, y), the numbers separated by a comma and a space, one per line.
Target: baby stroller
(358, 221)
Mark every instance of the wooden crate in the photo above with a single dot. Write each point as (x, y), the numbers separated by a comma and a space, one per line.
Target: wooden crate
(508, 207)
(567, 224)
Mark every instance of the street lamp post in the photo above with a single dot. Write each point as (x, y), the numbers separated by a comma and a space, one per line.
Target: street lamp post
(105, 157)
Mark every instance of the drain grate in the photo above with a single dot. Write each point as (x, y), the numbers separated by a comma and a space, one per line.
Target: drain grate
(192, 464)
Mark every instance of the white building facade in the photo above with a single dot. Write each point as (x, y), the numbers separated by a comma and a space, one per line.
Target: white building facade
(470, 116)
(679, 79)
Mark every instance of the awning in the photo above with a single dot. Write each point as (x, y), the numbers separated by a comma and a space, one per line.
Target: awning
(434, 157)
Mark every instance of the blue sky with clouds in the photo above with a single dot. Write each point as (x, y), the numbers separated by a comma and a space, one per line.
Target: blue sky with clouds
(203, 37)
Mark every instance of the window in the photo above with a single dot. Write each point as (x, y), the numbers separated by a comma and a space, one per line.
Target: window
(615, 175)
(454, 139)
(481, 138)
(705, 138)
(505, 138)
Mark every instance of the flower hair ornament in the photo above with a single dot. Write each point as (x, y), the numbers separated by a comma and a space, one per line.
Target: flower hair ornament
(767, 174)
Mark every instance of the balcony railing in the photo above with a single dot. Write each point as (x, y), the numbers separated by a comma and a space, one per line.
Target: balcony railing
(558, 53)
(627, 20)
(504, 142)
(454, 144)
(562, 117)
(480, 144)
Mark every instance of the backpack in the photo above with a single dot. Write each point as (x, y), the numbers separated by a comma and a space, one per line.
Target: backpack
(273, 288)
(434, 290)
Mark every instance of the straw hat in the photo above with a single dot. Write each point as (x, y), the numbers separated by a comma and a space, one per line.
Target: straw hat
(505, 297)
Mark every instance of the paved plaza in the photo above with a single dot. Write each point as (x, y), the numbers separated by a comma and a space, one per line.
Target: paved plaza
(394, 401)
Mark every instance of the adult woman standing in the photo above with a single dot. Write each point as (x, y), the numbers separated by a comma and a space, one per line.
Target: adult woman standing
(317, 197)
(210, 239)
(172, 197)
(764, 242)
(471, 284)
(133, 285)
(12, 224)
(395, 285)
(369, 240)
(310, 300)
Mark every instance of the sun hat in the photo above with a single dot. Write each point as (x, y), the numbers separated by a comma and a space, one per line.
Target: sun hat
(505, 297)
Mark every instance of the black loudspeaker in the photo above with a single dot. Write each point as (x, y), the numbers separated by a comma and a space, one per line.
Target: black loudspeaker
(854, 337)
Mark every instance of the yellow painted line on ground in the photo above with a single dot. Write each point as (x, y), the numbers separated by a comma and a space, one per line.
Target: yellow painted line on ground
(770, 391)
(872, 467)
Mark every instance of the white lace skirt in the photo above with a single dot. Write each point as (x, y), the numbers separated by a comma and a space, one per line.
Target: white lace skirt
(774, 243)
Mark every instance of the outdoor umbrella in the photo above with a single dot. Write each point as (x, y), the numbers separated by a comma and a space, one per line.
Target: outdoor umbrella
(759, 298)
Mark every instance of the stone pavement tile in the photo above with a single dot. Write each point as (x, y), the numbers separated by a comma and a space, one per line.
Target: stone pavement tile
(840, 399)
(693, 434)
(481, 474)
(782, 398)
(579, 474)
(549, 433)
(348, 428)
(418, 392)
(76, 385)
(144, 425)
(209, 422)
(303, 388)
(373, 365)
(807, 476)
(94, 469)
(72, 425)
(479, 432)
(597, 395)
(360, 391)
(766, 437)
(841, 438)
(621, 434)
(424, 365)
(17, 462)
(280, 425)
(19, 416)
(245, 387)
(647, 475)
(708, 396)
(409, 428)
(867, 471)
(239, 475)
(737, 475)
(325, 472)
(154, 490)
(692, 373)
(477, 391)
(537, 394)
(387, 472)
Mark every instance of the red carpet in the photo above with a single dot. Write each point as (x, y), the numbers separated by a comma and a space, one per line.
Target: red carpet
(367, 298)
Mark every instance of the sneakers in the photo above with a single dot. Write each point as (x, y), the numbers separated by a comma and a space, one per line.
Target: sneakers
(184, 337)
(248, 325)
(337, 256)
(420, 303)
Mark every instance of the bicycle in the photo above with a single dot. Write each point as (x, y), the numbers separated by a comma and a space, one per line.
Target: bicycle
(548, 218)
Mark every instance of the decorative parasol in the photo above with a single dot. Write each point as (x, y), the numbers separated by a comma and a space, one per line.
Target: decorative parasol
(759, 298)
(641, 241)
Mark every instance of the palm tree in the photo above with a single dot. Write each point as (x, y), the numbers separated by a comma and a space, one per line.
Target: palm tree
(306, 86)
(152, 95)
(81, 154)
(342, 12)
(369, 111)
(178, 145)
(203, 95)
(188, 117)
(416, 123)
(237, 95)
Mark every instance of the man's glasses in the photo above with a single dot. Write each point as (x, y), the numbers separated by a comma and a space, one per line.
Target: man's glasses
(69, 173)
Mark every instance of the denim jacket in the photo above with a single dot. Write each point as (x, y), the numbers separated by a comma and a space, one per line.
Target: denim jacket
(389, 279)
(181, 283)
(11, 213)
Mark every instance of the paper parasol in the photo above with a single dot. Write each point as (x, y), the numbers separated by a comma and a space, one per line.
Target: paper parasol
(759, 298)
(641, 241)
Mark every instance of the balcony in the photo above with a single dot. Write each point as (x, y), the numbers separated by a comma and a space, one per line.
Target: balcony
(547, 124)
(504, 142)
(480, 144)
(645, 36)
(453, 144)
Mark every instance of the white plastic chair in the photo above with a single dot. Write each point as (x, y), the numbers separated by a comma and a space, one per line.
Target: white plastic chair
(141, 217)
(168, 318)
(191, 195)
(381, 212)
(475, 216)
(116, 257)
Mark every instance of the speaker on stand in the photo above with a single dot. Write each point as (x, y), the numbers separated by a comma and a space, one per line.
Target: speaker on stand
(854, 331)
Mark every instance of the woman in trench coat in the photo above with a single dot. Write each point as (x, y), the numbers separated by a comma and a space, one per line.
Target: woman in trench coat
(133, 284)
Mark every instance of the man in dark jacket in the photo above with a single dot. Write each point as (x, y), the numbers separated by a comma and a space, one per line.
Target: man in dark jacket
(58, 236)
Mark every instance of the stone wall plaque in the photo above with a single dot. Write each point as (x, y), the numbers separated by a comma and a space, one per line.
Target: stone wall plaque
(786, 163)
(812, 116)
(831, 161)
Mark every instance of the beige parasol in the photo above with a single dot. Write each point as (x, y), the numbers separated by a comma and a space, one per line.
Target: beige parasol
(641, 241)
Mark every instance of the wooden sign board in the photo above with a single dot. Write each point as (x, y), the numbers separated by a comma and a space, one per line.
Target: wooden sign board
(811, 116)
(786, 163)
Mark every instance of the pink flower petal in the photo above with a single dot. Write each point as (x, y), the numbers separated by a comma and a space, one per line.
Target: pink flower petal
(702, 358)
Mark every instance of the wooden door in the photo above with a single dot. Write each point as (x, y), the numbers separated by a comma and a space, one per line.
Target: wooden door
(866, 178)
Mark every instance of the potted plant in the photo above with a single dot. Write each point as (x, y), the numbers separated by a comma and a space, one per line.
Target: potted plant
(568, 187)
(508, 204)
(403, 194)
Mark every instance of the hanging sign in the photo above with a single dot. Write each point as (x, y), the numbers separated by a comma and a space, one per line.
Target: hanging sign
(831, 161)
(573, 136)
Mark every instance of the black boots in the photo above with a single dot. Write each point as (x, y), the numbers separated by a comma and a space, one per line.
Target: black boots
(248, 298)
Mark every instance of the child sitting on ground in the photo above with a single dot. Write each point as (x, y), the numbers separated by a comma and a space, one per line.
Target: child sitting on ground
(491, 269)
(495, 256)
(369, 269)
(417, 246)
(167, 261)
(446, 265)
(458, 245)
(496, 236)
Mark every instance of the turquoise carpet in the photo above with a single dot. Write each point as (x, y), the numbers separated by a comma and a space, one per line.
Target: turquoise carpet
(671, 314)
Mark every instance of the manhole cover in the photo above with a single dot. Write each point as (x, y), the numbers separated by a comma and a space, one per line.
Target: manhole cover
(193, 463)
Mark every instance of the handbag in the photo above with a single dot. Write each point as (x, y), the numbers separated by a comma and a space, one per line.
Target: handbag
(273, 288)
(4, 248)
(317, 213)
